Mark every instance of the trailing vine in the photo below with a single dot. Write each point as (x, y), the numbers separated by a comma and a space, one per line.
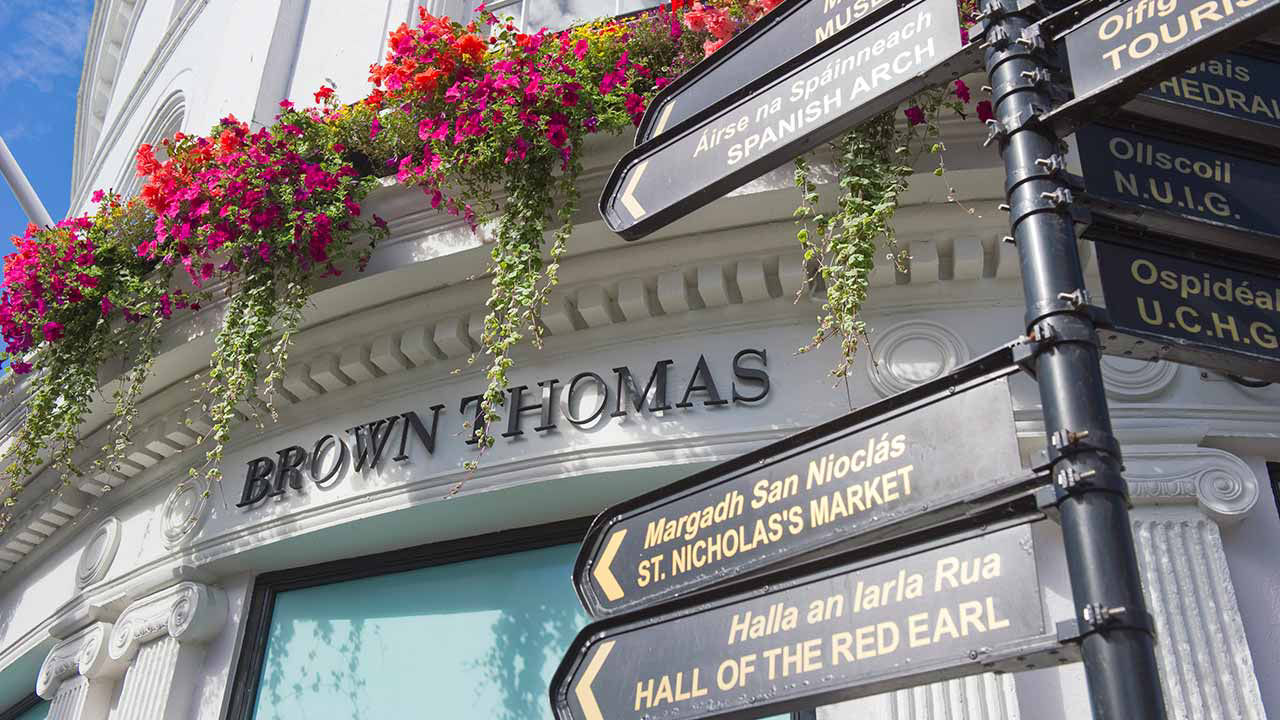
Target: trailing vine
(491, 124)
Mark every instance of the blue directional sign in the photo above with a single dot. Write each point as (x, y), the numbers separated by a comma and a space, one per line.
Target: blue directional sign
(1236, 95)
(1190, 192)
(1167, 304)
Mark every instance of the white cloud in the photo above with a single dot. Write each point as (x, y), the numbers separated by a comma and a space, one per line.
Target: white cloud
(45, 41)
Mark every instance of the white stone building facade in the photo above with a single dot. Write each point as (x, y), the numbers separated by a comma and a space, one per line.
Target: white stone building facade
(382, 590)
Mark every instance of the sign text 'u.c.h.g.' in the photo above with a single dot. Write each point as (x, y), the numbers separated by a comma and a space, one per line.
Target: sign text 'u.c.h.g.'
(1164, 306)
(889, 469)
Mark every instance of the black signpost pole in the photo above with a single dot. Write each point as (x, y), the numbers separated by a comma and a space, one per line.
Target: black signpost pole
(1116, 632)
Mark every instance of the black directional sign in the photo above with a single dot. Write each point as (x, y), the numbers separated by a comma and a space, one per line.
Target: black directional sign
(789, 30)
(785, 113)
(1163, 304)
(1201, 195)
(935, 453)
(1236, 94)
(1123, 50)
(950, 610)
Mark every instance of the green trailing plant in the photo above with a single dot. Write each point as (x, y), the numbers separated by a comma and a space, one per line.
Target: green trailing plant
(490, 122)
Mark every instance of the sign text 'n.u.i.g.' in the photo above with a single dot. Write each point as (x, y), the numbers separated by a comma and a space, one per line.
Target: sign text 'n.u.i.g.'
(789, 30)
(1125, 49)
(1164, 306)
(1194, 193)
(812, 639)
(933, 454)
(1235, 94)
(785, 113)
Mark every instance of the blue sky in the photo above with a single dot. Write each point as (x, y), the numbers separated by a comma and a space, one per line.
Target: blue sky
(41, 54)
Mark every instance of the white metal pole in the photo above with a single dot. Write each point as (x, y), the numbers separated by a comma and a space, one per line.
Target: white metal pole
(22, 189)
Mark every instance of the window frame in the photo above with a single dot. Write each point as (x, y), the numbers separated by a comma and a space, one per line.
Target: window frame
(16, 710)
(247, 674)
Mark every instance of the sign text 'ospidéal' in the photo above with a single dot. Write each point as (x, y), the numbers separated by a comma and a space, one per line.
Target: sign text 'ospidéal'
(1230, 316)
(587, 399)
(815, 639)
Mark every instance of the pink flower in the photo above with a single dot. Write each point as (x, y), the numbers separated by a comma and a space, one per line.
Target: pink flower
(984, 111)
(97, 196)
(962, 91)
(106, 305)
(53, 331)
(915, 115)
(21, 368)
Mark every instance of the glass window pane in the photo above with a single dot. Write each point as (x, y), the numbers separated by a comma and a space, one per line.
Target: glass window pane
(468, 640)
(39, 712)
(557, 14)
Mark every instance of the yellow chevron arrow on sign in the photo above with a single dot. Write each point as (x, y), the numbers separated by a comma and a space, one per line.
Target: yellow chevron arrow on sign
(628, 195)
(603, 575)
(590, 708)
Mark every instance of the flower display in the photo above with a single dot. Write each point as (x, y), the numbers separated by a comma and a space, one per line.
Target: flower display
(488, 120)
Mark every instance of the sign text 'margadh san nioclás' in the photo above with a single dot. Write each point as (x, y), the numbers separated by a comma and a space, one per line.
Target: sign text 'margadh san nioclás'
(901, 465)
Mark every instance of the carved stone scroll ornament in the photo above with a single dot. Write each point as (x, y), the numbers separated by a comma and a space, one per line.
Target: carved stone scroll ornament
(1223, 485)
(187, 612)
(84, 653)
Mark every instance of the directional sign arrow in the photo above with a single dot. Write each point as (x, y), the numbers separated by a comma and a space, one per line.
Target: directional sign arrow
(814, 636)
(1236, 95)
(1175, 303)
(1200, 194)
(896, 467)
(864, 70)
(792, 28)
(587, 699)
(603, 572)
(1125, 49)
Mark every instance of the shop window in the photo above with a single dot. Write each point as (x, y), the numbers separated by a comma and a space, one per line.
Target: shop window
(1273, 471)
(551, 14)
(31, 708)
(475, 630)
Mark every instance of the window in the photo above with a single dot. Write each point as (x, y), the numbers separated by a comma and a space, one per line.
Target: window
(559, 14)
(469, 629)
(31, 708)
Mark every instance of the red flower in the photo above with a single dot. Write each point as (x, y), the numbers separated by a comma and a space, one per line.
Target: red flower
(52, 331)
(323, 94)
(962, 91)
(471, 47)
(915, 115)
(984, 111)
(21, 368)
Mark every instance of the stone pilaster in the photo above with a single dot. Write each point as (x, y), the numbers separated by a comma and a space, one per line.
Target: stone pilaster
(78, 676)
(1182, 496)
(161, 639)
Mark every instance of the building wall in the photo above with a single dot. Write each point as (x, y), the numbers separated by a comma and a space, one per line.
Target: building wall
(397, 338)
